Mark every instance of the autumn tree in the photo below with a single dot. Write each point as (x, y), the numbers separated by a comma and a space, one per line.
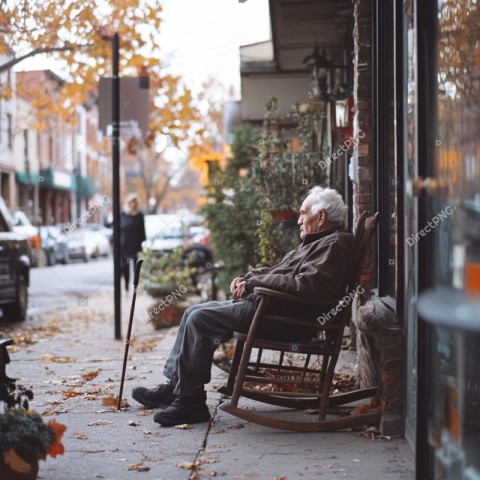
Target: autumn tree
(78, 34)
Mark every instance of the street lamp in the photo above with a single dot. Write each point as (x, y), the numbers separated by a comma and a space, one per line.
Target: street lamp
(321, 68)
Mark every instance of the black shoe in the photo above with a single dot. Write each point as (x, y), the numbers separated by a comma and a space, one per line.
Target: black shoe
(154, 397)
(184, 410)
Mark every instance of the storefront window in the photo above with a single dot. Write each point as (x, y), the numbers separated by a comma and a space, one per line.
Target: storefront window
(454, 235)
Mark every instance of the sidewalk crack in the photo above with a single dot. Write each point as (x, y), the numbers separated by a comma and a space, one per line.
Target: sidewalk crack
(193, 475)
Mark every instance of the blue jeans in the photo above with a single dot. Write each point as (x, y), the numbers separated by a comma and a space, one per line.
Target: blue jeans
(202, 329)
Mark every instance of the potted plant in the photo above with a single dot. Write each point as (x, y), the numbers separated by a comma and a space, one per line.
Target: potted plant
(24, 437)
(168, 278)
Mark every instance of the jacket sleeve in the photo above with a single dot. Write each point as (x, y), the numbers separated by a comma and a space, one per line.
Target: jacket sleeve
(143, 235)
(255, 272)
(320, 275)
(264, 270)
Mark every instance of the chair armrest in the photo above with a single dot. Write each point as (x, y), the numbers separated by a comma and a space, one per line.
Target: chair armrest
(292, 298)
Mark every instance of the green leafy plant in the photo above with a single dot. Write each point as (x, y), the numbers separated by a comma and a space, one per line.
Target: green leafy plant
(275, 238)
(166, 272)
(232, 211)
(283, 171)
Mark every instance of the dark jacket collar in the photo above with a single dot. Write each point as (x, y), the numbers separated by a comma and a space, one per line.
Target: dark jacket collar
(312, 237)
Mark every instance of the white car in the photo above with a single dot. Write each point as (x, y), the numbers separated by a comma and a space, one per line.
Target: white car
(163, 232)
(83, 244)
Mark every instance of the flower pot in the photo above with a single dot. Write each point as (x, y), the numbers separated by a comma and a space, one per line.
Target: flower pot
(168, 315)
(6, 473)
(284, 215)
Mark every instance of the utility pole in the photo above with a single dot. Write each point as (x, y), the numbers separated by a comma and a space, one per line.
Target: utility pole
(116, 186)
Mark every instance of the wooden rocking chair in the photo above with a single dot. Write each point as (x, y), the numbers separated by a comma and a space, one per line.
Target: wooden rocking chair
(304, 387)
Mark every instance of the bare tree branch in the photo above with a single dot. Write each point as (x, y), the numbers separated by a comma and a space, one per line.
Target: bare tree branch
(15, 61)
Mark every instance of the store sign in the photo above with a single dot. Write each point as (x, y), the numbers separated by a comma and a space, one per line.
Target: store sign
(62, 180)
(134, 106)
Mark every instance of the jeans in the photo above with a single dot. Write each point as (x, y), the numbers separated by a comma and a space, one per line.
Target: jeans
(202, 329)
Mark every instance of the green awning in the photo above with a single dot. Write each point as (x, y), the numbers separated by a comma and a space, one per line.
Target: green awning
(49, 177)
(28, 178)
(86, 187)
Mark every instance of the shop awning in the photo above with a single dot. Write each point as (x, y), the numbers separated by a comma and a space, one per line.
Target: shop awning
(49, 177)
(86, 187)
(27, 178)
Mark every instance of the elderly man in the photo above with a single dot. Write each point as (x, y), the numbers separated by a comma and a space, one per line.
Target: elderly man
(316, 270)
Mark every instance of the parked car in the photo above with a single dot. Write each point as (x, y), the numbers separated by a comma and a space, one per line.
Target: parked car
(82, 244)
(105, 231)
(163, 232)
(24, 227)
(14, 268)
(103, 243)
(54, 244)
(86, 244)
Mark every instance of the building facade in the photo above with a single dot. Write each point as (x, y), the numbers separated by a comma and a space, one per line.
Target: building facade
(7, 119)
(402, 118)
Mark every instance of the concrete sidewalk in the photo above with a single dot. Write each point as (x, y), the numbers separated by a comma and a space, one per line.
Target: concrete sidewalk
(71, 360)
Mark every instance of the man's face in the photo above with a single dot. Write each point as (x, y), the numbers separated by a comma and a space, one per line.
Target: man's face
(308, 223)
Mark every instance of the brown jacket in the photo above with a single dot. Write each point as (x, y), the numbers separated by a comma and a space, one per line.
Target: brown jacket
(318, 269)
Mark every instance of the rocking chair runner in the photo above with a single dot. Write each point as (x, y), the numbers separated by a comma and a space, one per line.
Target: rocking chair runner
(308, 387)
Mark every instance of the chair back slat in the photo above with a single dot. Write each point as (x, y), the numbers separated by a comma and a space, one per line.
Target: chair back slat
(366, 227)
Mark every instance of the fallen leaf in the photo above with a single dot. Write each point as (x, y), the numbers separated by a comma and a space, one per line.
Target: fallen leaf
(185, 426)
(110, 401)
(90, 375)
(188, 465)
(143, 346)
(53, 358)
(216, 430)
(208, 460)
(80, 435)
(71, 393)
(133, 423)
(55, 411)
(99, 422)
(139, 467)
(236, 426)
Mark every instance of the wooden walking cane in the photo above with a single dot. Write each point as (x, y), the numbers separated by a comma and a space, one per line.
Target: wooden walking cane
(138, 266)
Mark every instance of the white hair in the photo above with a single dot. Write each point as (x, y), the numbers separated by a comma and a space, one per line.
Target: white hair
(330, 200)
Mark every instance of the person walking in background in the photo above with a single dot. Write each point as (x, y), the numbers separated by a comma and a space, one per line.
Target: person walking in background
(132, 234)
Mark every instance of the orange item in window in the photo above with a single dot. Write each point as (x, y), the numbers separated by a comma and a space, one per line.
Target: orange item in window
(472, 278)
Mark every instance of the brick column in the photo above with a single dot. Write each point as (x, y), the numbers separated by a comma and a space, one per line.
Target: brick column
(376, 335)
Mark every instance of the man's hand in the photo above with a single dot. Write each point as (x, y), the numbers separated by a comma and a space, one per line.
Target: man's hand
(239, 290)
(234, 284)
